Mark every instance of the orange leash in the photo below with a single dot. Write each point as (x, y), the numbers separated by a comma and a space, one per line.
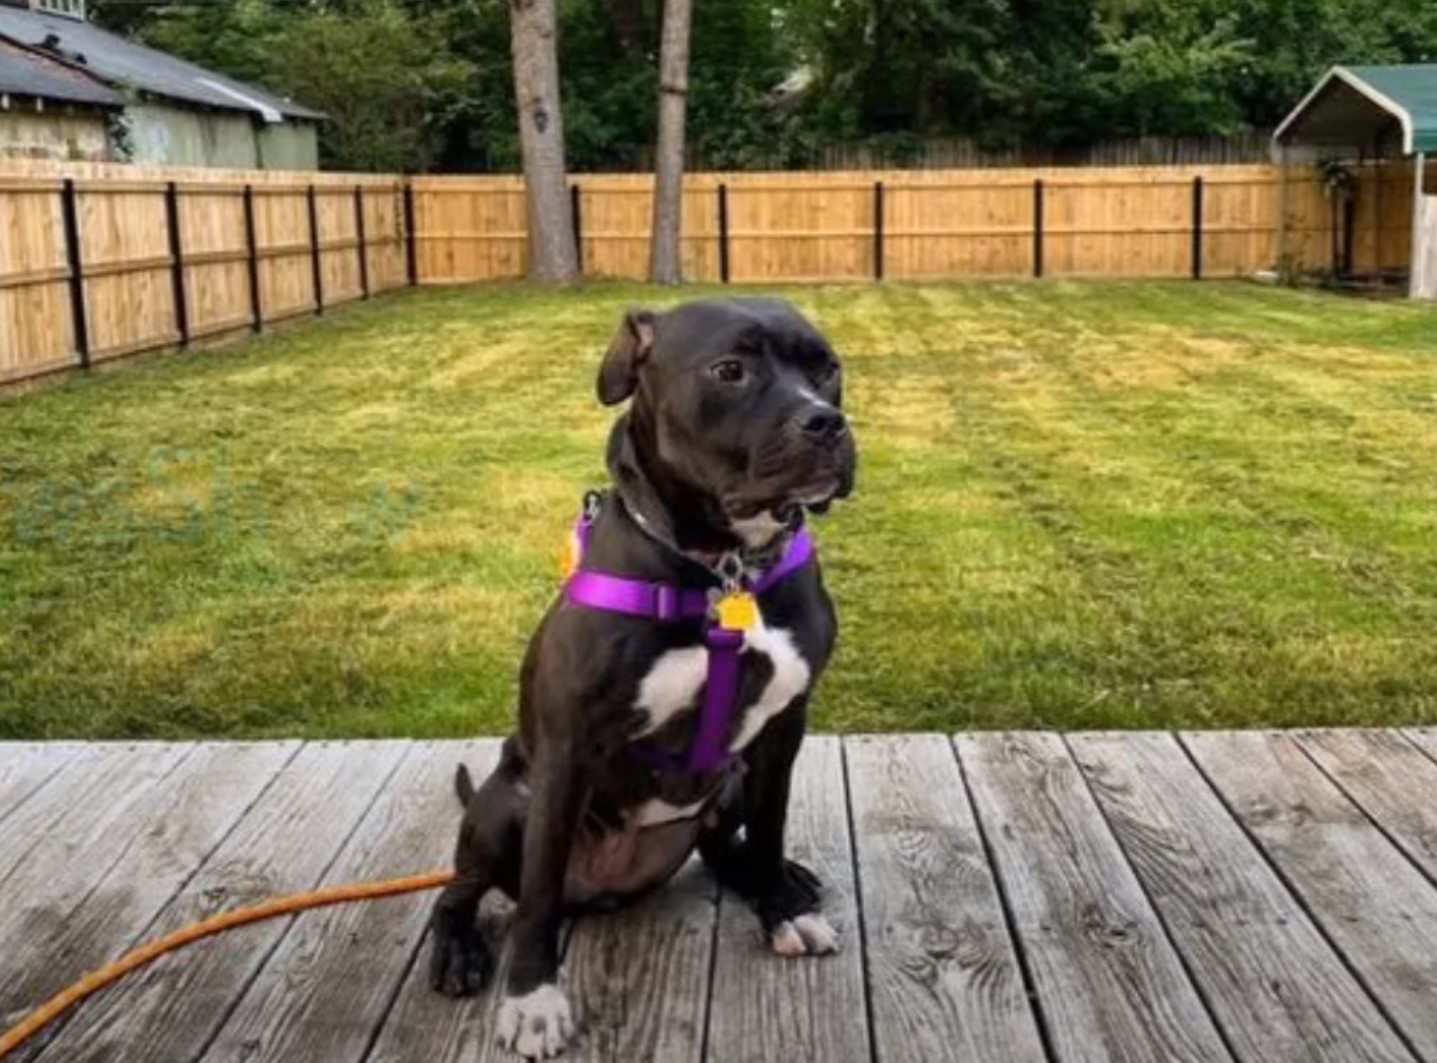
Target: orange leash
(92, 983)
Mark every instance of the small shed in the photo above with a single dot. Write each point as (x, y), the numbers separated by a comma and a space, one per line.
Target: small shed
(175, 112)
(1384, 118)
(50, 110)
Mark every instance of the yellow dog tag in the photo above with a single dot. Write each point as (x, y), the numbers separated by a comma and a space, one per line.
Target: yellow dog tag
(737, 611)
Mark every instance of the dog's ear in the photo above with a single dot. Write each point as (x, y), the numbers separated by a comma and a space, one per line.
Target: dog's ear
(619, 372)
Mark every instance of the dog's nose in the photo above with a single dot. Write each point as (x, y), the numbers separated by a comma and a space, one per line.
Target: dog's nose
(823, 424)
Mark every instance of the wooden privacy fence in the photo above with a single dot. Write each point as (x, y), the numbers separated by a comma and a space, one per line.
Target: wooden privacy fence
(97, 261)
(102, 261)
(910, 225)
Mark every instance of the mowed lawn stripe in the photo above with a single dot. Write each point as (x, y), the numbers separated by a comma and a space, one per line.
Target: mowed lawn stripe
(1103, 504)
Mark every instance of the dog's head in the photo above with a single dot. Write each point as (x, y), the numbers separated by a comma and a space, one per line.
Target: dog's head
(736, 413)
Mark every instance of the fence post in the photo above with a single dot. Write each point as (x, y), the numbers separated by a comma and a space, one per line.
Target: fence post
(723, 232)
(576, 207)
(1038, 227)
(878, 230)
(177, 262)
(316, 269)
(363, 245)
(256, 310)
(1197, 228)
(70, 215)
(410, 259)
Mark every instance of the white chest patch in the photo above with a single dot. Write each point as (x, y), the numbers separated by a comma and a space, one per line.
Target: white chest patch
(672, 684)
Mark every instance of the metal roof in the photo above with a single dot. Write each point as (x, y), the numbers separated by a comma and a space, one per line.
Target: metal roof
(124, 64)
(1352, 105)
(26, 73)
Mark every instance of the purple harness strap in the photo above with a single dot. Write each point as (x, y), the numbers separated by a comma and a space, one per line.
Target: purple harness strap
(667, 604)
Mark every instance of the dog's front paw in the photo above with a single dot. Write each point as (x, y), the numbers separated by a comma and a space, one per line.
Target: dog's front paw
(459, 961)
(789, 913)
(794, 892)
(803, 935)
(536, 1025)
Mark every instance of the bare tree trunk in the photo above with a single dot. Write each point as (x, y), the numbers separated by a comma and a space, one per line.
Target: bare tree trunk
(665, 261)
(532, 27)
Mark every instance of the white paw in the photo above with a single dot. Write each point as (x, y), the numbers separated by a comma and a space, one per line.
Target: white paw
(536, 1025)
(804, 935)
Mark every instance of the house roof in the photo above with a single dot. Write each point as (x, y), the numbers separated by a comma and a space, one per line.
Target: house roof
(124, 64)
(27, 73)
(1351, 105)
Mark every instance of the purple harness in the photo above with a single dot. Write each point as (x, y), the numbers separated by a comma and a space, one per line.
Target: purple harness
(669, 604)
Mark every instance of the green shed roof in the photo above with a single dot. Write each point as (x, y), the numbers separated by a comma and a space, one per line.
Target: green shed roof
(1352, 105)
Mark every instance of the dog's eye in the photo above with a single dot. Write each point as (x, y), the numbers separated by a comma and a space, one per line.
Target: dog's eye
(827, 371)
(730, 370)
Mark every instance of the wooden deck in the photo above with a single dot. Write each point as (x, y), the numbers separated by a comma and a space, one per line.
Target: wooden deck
(1020, 897)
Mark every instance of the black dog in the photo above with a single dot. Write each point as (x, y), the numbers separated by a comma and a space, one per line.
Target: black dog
(734, 431)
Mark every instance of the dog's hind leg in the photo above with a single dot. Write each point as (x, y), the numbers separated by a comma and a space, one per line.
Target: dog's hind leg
(487, 855)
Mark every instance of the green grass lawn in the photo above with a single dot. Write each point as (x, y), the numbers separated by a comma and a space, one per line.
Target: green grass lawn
(1079, 505)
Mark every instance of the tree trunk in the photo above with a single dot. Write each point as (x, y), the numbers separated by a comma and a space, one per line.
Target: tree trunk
(665, 262)
(533, 26)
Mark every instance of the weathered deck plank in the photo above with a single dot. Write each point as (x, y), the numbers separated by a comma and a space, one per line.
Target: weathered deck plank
(26, 766)
(1109, 983)
(1391, 778)
(1260, 897)
(73, 910)
(1276, 987)
(945, 982)
(168, 1012)
(638, 978)
(77, 803)
(1372, 903)
(326, 989)
(765, 1008)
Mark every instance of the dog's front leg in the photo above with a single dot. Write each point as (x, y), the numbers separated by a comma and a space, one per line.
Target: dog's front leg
(785, 894)
(535, 1019)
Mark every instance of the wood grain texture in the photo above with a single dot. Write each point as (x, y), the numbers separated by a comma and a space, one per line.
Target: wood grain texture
(52, 870)
(1391, 777)
(1273, 983)
(767, 1008)
(1372, 903)
(26, 766)
(638, 978)
(1110, 984)
(171, 1010)
(945, 982)
(85, 786)
(78, 908)
(422, 1024)
(327, 988)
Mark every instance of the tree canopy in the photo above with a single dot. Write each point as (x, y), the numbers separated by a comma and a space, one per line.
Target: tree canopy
(427, 84)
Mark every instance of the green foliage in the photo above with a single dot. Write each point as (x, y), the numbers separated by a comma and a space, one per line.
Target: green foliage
(384, 77)
(414, 84)
(1168, 69)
